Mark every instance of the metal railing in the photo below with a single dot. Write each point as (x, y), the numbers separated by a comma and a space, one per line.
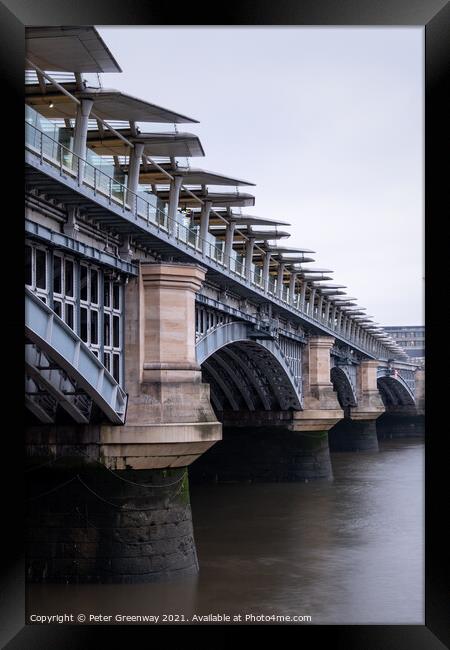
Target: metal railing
(145, 212)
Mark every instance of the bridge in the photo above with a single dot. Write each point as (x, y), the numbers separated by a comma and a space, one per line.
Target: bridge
(166, 329)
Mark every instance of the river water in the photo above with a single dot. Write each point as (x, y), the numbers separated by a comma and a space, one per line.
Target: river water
(346, 551)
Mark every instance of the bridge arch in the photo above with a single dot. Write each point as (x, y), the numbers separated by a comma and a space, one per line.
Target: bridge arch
(342, 384)
(395, 391)
(246, 372)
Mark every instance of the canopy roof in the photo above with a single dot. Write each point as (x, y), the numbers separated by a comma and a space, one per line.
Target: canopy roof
(259, 235)
(293, 260)
(69, 49)
(328, 285)
(311, 271)
(287, 250)
(156, 144)
(310, 276)
(109, 104)
(356, 312)
(154, 176)
(217, 198)
(249, 219)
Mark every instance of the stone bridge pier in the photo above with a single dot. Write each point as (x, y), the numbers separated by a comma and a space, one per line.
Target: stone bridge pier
(404, 416)
(289, 440)
(362, 406)
(111, 503)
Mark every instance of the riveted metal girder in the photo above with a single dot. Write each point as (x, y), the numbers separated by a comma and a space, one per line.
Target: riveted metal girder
(264, 354)
(57, 384)
(64, 348)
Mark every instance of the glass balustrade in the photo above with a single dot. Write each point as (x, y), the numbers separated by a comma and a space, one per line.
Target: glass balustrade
(237, 263)
(257, 275)
(187, 232)
(55, 142)
(148, 206)
(272, 285)
(215, 249)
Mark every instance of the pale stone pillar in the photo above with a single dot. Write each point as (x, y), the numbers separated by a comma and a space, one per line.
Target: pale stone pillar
(321, 409)
(367, 375)
(327, 313)
(169, 421)
(169, 321)
(319, 360)
(419, 391)
(369, 403)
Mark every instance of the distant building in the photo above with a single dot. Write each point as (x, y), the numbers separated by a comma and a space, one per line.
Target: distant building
(412, 339)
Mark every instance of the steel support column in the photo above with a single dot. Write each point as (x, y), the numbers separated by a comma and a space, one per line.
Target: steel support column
(266, 268)
(292, 281)
(133, 173)
(174, 196)
(229, 238)
(280, 284)
(204, 226)
(312, 298)
(249, 258)
(303, 294)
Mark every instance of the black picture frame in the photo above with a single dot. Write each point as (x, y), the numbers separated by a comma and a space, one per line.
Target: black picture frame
(434, 15)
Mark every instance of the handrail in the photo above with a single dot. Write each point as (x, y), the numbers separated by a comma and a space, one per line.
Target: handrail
(188, 236)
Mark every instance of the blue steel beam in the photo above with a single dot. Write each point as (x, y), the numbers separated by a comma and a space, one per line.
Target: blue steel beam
(60, 344)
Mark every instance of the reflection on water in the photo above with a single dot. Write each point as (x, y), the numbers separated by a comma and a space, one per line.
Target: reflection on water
(343, 551)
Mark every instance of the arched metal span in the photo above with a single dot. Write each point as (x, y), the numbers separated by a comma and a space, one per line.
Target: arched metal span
(62, 370)
(395, 391)
(245, 372)
(343, 387)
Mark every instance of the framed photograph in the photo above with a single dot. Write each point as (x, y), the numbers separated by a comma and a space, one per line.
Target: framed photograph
(216, 430)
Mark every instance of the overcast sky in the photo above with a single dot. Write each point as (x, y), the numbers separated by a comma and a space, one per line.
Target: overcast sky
(328, 122)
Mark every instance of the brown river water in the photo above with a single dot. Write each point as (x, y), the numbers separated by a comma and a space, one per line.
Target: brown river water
(346, 551)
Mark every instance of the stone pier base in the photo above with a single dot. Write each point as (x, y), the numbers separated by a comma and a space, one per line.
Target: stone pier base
(264, 454)
(353, 435)
(400, 426)
(93, 526)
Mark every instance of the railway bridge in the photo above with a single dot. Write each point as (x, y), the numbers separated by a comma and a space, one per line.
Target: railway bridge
(165, 330)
